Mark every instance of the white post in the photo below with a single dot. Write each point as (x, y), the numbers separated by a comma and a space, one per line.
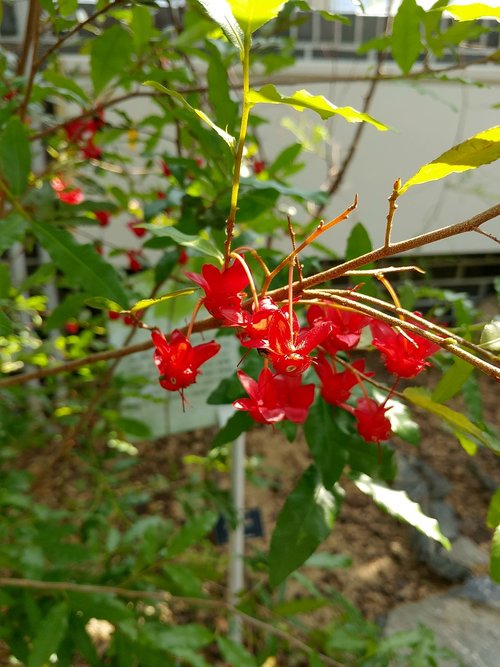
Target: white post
(237, 536)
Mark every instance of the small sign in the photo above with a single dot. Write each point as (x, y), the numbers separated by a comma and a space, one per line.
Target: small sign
(253, 526)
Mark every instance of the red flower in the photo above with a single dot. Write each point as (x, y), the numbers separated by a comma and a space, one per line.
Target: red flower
(183, 257)
(223, 290)
(91, 151)
(72, 197)
(134, 264)
(336, 387)
(404, 355)
(258, 166)
(113, 315)
(134, 227)
(289, 347)
(372, 423)
(346, 326)
(72, 327)
(275, 397)
(102, 217)
(165, 168)
(255, 330)
(178, 361)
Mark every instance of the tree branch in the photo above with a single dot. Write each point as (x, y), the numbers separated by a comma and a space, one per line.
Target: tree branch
(470, 225)
(165, 596)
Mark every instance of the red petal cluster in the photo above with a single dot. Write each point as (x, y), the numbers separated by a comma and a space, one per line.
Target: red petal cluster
(274, 398)
(223, 290)
(336, 386)
(346, 326)
(178, 361)
(372, 423)
(81, 132)
(404, 354)
(72, 196)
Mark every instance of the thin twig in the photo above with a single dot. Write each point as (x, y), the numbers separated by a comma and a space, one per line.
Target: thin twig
(392, 210)
(164, 596)
(280, 294)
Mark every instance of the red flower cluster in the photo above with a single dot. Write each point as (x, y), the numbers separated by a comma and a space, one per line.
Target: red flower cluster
(64, 193)
(82, 131)
(289, 349)
(178, 361)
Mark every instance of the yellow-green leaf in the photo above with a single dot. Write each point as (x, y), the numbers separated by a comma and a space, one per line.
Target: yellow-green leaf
(473, 12)
(220, 12)
(252, 14)
(495, 556)
(458, 422)
(480, 149)
(302, 99)
(146, 303)
(228, 138)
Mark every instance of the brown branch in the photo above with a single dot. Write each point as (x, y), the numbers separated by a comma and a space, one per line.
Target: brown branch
(469, 225)
(30, 46)
(74, 30)
(165, 596)
(31, 26)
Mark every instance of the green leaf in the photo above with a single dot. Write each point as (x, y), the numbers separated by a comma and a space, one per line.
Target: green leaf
(195, 528)
(6, 325)
(401, 420)
(228, 138)
(49, 635)
(235, 654)
(65, 83)
(305, 520)
(300, 606)
(237, 424)
(99, 605)
(200, 245)
(252, 14)
(146, 303)
(490, 336)
(495, 556)
(328, 561)
(101, 303)
(358, 243)
(12, 229)
(405, 40)
(473, 12)
(70, 307)
(142, 27)
(480, 149)
(302, 99)
(220, 12)
(110, 53)
(493, 519)
(219, 93)
(397, 504)
(458, 423)
(183, 581)
(452, 381)
(187, 637)
(67, 7)
(15, 155)
(325, 440)
(80, 263)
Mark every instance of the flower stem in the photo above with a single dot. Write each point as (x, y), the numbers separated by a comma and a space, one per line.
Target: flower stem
(245, 112)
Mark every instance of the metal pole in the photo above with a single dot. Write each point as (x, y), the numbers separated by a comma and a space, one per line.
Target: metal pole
(237, 536)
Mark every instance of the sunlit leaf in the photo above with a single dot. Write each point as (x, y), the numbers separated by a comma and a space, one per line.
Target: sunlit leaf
(490, 336)
(252, 14)
(474, 11)
(305, 520)
(146, 303)
(480, 149)
(399, 505)
(229, 139)
(302, 99)
(405, 39)
(200, 245)
(101, 303)
(220, 12)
